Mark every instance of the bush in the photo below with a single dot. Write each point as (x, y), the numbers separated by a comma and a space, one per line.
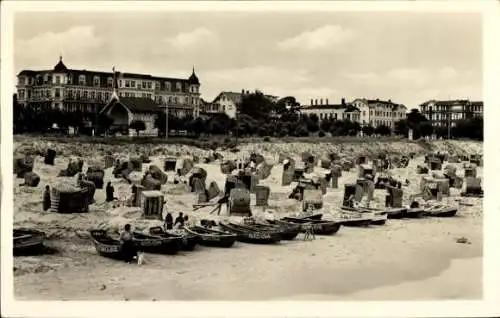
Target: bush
(321, 133)
(267, 139)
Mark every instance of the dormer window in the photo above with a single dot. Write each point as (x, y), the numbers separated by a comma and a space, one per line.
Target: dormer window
(97, 81)
(81, 80)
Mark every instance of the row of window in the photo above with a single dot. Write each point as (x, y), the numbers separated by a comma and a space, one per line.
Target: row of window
(376, 123)
(384, 114)
(443, 109)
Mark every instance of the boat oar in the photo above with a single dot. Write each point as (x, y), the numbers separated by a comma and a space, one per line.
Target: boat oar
(202, 205)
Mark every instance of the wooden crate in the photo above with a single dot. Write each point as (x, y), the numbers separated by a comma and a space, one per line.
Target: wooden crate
(152, 204)
(239, 202)
(262, 195)
(170, 164)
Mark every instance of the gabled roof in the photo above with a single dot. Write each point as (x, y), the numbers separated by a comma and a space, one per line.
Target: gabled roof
(135, 105)
(234, 97)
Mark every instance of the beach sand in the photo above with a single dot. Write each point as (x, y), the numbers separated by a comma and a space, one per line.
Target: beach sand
(402, 260)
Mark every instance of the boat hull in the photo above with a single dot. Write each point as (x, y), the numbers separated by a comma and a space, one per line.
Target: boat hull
(251, 236)
(28, 242)
(319, 227)
(445, 212)
(213, 238)
(415, 213)
(156, 244)
(106, 246)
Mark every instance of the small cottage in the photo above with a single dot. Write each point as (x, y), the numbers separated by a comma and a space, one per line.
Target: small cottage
(124, 110)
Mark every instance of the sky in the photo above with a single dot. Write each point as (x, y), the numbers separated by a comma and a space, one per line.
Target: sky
(402, 56)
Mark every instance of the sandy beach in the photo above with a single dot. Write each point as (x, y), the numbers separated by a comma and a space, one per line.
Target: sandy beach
(415, 259)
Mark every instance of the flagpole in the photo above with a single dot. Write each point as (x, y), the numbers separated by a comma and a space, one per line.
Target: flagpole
(166, 119)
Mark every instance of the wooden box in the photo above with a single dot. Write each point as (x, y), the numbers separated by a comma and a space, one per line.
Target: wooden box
(152, 204)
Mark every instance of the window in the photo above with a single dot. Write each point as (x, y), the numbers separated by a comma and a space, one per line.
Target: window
(120, 83)
(81, 80)
(58, 79)
(178, 86)
(21, 80)
(157, 85)
(320, 116)
(143, 95)
(85, 95)
(126, 93)
(110, 82)
(336, 115)
(97, 81)
(144, 85)
(47, 93)
(57, 93)
(150, 85)
(132, 84)
(108, 95)
(21, 94)
(77, 94)
(92, 95)
(45, 79)
(168, 86)
(99, 95)
(127, 83)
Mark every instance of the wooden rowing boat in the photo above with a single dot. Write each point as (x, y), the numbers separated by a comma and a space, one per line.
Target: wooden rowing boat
(186, 240)
(441, 211)
(27, 241)
(156, 244)
(355, 218)
(249, 235)
(379, 216)
(105, 245)
(320, 227)
(212, 237)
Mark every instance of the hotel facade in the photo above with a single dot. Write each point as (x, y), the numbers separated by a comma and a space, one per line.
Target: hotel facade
(444, 113)
(89, 91)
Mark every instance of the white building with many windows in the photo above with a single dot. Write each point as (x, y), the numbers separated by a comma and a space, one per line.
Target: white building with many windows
(376, 112)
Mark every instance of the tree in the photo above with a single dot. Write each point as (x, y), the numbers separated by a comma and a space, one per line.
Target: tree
(401, 127)
(137, 125)
(160, 123)
(286, 105)
(426, 129)
(256, 105)
(383, 130)
(197, 126)
(368, 130)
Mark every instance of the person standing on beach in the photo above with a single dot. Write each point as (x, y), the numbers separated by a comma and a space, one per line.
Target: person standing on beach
(110, 192)
(46, 198)
(128, 248)
(179, 220)
(169, 221)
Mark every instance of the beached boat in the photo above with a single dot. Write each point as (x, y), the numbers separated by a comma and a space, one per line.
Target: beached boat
(312, 217)
(212, 237)
(355, 218)
(156, 244)
(187, 240)
(27, 241)
(320, 227)
(379, 216)
(287, 231)
(105, 245)
(248, 235)
(290, 230)
(396, 213)
(441, 211)
(415, 213)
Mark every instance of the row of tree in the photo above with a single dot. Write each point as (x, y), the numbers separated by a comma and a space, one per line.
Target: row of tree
(257, 116)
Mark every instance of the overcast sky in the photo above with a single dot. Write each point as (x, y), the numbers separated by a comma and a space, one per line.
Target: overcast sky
(405, 57)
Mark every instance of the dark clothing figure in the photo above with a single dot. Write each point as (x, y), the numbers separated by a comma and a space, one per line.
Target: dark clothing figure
(169, 221)
(110, 192)
(46, 199)
(128, 248)
(179, 220)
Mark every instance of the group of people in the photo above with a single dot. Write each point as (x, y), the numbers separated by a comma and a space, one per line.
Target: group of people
(180, 221)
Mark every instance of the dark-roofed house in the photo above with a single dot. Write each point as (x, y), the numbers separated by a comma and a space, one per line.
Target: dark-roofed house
(448, 112)
(89, 91)
(342, 111)
(124, 110)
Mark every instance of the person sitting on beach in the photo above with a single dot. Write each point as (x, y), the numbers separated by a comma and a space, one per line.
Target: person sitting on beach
(179, 220)
(110, 193)
(128, 248)
(169, 221)
(46, 198)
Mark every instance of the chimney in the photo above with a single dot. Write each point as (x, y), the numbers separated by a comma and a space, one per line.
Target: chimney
(389, 101)
(326, 101)
(242, 92)
(312, 102)
(343, 101)
(248, 92)
(316, 101)
(321, 101)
